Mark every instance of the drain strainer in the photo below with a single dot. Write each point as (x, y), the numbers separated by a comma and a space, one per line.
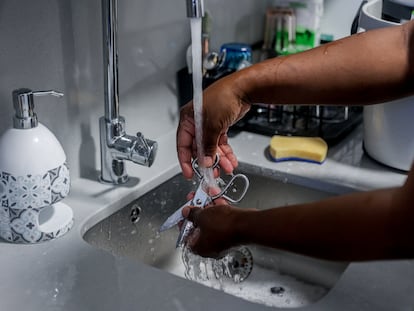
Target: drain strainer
(237, 264)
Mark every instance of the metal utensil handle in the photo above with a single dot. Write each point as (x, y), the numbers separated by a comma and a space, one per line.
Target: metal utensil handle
(231, 185)
(194, 164)
(184, 232)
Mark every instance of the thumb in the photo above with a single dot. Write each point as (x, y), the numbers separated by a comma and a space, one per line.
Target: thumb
(211, 135)
(210, 148)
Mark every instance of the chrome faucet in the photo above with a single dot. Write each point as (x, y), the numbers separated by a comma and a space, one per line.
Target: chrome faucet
(116, 145)
(195, 8)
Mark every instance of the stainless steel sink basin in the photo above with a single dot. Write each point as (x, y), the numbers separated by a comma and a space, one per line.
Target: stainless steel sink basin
(278, 278)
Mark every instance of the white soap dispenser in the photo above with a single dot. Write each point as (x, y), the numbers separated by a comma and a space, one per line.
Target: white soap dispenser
(34, 177)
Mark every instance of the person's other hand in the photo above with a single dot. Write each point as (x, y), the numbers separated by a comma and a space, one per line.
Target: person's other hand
(215, 228)
(211, 191)
(222, 107)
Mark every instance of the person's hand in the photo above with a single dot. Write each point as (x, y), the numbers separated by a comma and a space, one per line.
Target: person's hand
(212, 191)
(215, 228)
(222, 107)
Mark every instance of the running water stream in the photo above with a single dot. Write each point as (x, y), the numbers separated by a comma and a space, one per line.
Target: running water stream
(197, 67)
(196, 267)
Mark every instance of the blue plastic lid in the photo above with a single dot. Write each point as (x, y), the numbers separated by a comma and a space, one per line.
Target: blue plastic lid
(236, 47)
(234, 54)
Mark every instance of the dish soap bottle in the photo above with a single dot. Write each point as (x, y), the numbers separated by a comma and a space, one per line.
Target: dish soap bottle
(34, 177)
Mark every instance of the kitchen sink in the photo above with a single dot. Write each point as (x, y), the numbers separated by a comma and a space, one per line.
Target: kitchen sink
(277, 278)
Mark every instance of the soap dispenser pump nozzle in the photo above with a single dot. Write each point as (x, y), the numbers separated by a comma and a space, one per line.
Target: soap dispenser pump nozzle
(25, 117)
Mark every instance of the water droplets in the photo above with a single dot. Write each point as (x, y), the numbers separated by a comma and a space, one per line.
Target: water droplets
(55, 293)
(259, 287)
(109, 230)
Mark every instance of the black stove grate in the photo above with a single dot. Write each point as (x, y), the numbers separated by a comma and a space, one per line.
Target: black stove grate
(332, 123)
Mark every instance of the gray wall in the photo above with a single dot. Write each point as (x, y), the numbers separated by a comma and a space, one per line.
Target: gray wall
(50, 44)
(56, 44)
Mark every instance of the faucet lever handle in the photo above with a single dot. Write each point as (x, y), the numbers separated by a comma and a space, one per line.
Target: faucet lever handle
(141, 137)
(146, 149)
(48, 92)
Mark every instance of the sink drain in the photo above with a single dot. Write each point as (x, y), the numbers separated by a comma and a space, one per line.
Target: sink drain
(237, 264)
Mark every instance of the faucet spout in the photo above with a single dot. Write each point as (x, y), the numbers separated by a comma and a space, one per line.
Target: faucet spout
(116, 145)
(195, 8)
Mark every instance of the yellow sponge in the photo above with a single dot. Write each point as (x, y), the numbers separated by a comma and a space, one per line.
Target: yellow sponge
(296, 148)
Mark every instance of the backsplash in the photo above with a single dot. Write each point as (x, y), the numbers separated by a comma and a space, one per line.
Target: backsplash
(50, 44)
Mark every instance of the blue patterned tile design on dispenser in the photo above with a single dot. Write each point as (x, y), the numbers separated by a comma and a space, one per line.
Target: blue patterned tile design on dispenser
(24, 198)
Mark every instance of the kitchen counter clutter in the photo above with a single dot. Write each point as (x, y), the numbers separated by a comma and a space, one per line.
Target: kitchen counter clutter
(69, 274)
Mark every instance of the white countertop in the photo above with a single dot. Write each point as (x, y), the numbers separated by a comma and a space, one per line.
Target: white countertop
(69, 274)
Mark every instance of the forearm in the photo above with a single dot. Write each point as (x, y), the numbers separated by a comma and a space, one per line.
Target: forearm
(359, 226)
(365, 68)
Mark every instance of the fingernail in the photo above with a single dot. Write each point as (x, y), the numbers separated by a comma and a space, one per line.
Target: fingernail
(213, 190)
(185, 211)
(207, 161)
